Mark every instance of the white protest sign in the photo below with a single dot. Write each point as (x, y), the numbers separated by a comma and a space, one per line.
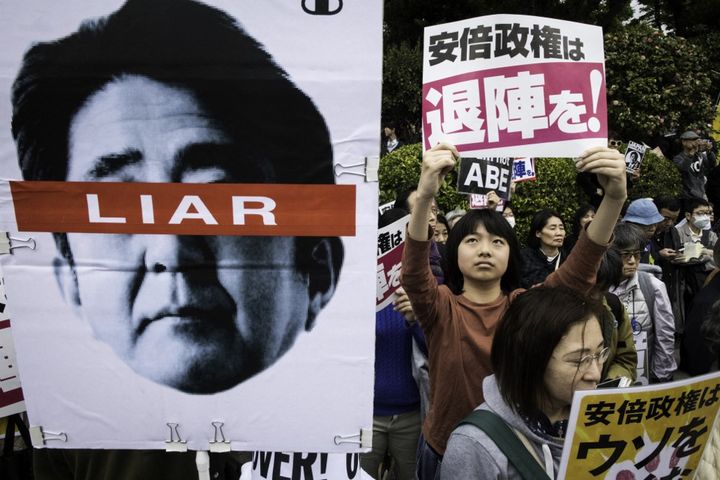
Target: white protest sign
(200, 259)
(514, 85)
(304, 466)
(524, 170)
(390, 243)
(634, 156)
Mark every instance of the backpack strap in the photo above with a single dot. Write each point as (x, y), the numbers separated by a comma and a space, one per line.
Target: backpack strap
(509, 443)
(648, 292)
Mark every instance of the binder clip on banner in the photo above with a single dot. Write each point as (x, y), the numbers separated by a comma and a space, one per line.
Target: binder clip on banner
(175, 443)
(371, 166)
(39, 436)
(364, 438)
(9, 243)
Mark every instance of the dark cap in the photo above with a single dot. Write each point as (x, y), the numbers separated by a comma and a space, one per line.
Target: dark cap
(689, 135)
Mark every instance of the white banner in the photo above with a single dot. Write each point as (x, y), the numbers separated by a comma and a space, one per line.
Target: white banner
(185, 150)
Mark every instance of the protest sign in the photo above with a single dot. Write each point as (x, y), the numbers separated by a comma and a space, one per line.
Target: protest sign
(201, 251)
(11, 397)
(390, 243)
(657, 431)
(304, 466)
(514, 85)
(484, 175)
(634, 156)
(385, 207)
(524, 170)
(480, 200)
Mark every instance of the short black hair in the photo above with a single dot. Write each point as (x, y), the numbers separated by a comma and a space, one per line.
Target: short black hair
(668, 203)
(183, 44)
(579, 214)
(609, 273)
(401, 199)
(390, 216)
(531, 329)
(495, 224)
(628, 236)
(694, 202)
(443, 220)
(538, 222)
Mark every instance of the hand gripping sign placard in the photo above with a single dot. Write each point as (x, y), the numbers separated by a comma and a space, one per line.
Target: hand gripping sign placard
(651, 432)
(201, 262)
(514, 85)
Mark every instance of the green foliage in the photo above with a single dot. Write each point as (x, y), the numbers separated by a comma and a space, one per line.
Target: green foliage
(554, 188)
(656, 83)
(400, 170)
(659, 177)
(688, 18)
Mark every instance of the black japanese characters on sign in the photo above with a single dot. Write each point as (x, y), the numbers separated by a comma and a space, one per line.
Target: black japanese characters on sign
(637, 411)
(504, 39)
(389, 240)
(484, 175)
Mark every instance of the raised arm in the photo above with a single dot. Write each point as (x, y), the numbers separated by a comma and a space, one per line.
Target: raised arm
(609, 166)
(437, 162)
(579, 271)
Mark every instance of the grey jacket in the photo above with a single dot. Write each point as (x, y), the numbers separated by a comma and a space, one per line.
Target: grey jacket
(471, 454)
(659, 324)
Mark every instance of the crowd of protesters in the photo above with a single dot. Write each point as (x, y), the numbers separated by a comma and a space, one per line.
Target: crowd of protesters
(627, 293)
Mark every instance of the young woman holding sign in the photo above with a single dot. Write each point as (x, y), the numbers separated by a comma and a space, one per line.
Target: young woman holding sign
(459, 320)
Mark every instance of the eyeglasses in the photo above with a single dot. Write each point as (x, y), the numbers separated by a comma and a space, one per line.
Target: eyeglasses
(626, 254)
(614, 143)
(586, 362)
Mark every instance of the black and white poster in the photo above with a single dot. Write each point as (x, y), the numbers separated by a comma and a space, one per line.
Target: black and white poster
(201, 257)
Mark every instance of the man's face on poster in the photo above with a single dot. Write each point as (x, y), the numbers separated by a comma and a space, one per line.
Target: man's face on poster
(197, 313)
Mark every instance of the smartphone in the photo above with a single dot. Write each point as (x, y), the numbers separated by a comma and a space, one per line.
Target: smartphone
(619, 382)
(612, 383)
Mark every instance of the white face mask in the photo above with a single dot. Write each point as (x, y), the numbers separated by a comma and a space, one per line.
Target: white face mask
(701, 221)
(511, 221)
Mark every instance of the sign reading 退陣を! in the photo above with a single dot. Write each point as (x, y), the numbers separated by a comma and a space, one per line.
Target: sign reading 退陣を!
(657, 431)
(204, 230)
(514, 85)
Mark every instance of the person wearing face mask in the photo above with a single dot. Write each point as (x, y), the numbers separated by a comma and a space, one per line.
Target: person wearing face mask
(697, 229)
(508, 214)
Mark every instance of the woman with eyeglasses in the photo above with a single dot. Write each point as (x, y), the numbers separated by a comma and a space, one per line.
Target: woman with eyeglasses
(548, 345)
(646, 301)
